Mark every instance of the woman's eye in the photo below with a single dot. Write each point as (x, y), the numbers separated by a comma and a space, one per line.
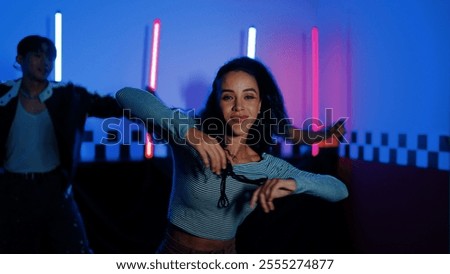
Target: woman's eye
(226, 97)
(249, 97)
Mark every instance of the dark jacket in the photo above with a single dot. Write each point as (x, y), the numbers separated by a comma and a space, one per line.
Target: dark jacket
(69, 107)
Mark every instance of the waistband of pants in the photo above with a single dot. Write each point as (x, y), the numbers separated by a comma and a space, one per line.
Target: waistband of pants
(199, 244)
(31, 176)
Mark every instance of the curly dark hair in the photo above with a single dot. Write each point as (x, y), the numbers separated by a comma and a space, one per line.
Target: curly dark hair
(272, 119)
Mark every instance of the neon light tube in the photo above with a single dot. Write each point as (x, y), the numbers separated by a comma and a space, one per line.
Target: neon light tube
(315, 83)
(149, 146)
(58, 45)
(154, 54)
(251, 43)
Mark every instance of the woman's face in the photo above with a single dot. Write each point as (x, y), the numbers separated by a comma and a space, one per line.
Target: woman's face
(240, 101)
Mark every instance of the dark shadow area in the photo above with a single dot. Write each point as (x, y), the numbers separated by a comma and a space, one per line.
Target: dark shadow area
(399, 209)
(124, 205)
(300, 224)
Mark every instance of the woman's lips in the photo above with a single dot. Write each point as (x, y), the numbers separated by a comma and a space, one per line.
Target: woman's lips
(239, 119)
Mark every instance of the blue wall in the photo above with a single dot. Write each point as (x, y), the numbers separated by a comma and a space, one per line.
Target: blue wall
(384, 64)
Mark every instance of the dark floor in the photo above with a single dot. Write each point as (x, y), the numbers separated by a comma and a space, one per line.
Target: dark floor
(391, 209)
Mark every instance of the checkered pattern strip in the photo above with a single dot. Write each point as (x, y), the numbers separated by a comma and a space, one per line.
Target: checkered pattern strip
(420, 150)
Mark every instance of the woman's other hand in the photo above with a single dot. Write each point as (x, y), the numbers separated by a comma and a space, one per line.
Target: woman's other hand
(272, 189)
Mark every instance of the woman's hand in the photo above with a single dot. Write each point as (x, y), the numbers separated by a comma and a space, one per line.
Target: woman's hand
(272, 189)
(212, 154)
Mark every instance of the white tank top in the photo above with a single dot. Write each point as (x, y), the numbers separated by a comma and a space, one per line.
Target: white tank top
(31, 144)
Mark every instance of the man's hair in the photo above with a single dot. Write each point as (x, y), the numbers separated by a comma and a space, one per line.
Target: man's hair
(33, 43)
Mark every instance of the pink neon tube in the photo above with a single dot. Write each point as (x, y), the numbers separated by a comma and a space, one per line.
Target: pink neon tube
(315, 83)
(149, 146)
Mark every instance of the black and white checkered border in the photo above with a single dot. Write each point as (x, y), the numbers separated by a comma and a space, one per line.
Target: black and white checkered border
(109, 148)
(420, 150)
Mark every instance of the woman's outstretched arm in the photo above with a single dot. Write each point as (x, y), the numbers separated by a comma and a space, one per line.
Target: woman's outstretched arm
(151, 109)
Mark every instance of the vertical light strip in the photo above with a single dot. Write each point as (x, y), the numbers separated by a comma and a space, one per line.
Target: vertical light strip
(154, 55)
(58, 45)
(251, 42)
(315, 83)
(149, 146)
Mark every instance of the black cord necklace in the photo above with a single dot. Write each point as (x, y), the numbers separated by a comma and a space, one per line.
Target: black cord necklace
(223, 200)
